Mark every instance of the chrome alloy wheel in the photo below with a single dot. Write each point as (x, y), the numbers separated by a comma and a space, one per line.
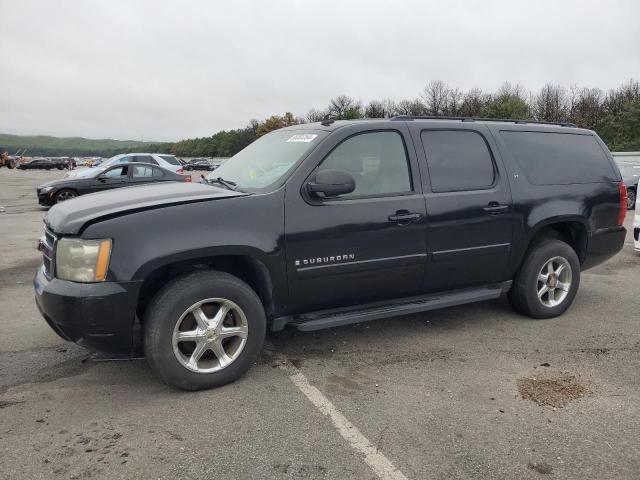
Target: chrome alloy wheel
(554, 281)
(210, 335)
(65, 195)
(631, 199)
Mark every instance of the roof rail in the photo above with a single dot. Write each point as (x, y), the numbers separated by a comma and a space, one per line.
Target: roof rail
(477, 119)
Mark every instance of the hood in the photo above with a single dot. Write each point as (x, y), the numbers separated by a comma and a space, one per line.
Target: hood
(69, 217)
(84, 173)
(61, 181)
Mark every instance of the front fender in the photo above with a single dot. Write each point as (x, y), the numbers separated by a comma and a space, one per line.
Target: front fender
(250, 226)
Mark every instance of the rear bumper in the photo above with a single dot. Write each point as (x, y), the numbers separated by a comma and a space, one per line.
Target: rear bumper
(98, 316)
(603, 245)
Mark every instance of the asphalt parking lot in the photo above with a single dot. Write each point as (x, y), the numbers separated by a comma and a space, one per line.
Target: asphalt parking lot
(468, 392)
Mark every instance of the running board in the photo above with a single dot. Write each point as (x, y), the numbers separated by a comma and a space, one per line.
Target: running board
(374, 311)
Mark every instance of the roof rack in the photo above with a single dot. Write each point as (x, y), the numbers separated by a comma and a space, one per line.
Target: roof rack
(476, 119)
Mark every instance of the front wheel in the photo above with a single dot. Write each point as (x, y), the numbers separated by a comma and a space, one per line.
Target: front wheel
(203, 330)
(65, 194)
(548, 280)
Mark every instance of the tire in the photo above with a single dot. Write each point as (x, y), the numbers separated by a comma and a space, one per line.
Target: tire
(64, 194)
(523, 295)
(631, 199)
(167, 314)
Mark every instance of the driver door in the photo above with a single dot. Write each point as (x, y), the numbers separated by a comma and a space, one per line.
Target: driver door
(361, 247)
(114, 177)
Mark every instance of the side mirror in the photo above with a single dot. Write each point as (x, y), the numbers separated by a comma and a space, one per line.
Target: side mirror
(102, 178)
(331, 183)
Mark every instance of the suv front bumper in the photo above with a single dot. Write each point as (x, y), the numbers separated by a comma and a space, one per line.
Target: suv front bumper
(98, 316)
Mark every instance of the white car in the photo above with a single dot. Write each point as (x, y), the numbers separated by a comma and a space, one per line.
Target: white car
(165, 161)
(636, 231)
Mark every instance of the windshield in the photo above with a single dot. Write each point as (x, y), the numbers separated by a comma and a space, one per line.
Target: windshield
(268, 159)
(112, 161)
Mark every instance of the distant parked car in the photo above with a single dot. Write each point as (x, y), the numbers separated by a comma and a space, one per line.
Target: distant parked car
(126, 175)
(636, 231)
(37, 164)
(168, 162)
(629, 166)
(199, 164)
(630, 176)
(63, 163)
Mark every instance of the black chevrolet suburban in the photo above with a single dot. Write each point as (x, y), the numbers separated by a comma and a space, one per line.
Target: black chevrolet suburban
(327, 224)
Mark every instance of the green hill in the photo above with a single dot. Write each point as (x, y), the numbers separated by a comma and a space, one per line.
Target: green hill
(74, 146)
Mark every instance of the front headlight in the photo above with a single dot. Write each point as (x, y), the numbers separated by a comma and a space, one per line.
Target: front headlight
(46, 189)
(82, 260)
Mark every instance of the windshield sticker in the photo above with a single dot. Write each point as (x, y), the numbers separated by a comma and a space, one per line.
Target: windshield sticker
(305, 137)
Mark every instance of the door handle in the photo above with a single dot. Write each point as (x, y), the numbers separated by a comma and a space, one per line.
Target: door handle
(495, 208)
(404, 217)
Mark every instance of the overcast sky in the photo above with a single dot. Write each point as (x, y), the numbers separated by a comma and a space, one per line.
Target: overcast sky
(166, 70)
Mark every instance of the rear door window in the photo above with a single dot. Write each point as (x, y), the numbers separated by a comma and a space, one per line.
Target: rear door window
(457, 160)
(549, 158)
(142, 171)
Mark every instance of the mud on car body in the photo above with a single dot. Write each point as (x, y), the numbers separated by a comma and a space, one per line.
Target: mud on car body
(327, 224)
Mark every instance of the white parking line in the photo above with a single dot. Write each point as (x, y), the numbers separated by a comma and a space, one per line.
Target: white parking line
(373, 457)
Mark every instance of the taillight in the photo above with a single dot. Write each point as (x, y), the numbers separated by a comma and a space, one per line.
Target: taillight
(180, 171)
(622, 188)
(187, 178)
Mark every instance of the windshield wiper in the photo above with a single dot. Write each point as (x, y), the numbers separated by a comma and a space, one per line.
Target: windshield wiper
(226, 183)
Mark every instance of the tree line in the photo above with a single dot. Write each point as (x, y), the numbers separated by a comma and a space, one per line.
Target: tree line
(614, 114)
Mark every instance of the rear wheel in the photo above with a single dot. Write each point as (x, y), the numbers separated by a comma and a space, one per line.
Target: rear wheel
(548, 281)
(65, 194)
(204, 330)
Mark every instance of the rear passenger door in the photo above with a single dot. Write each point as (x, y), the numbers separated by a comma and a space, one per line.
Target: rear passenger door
(468, 201)
(141, 174)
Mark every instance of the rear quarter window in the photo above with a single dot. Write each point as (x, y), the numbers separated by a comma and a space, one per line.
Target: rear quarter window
(559, 158)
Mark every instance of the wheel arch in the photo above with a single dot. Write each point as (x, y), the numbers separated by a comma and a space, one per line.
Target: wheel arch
(246, 267)
(573, 230)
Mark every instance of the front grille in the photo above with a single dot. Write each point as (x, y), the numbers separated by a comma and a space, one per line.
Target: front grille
(47, 246)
